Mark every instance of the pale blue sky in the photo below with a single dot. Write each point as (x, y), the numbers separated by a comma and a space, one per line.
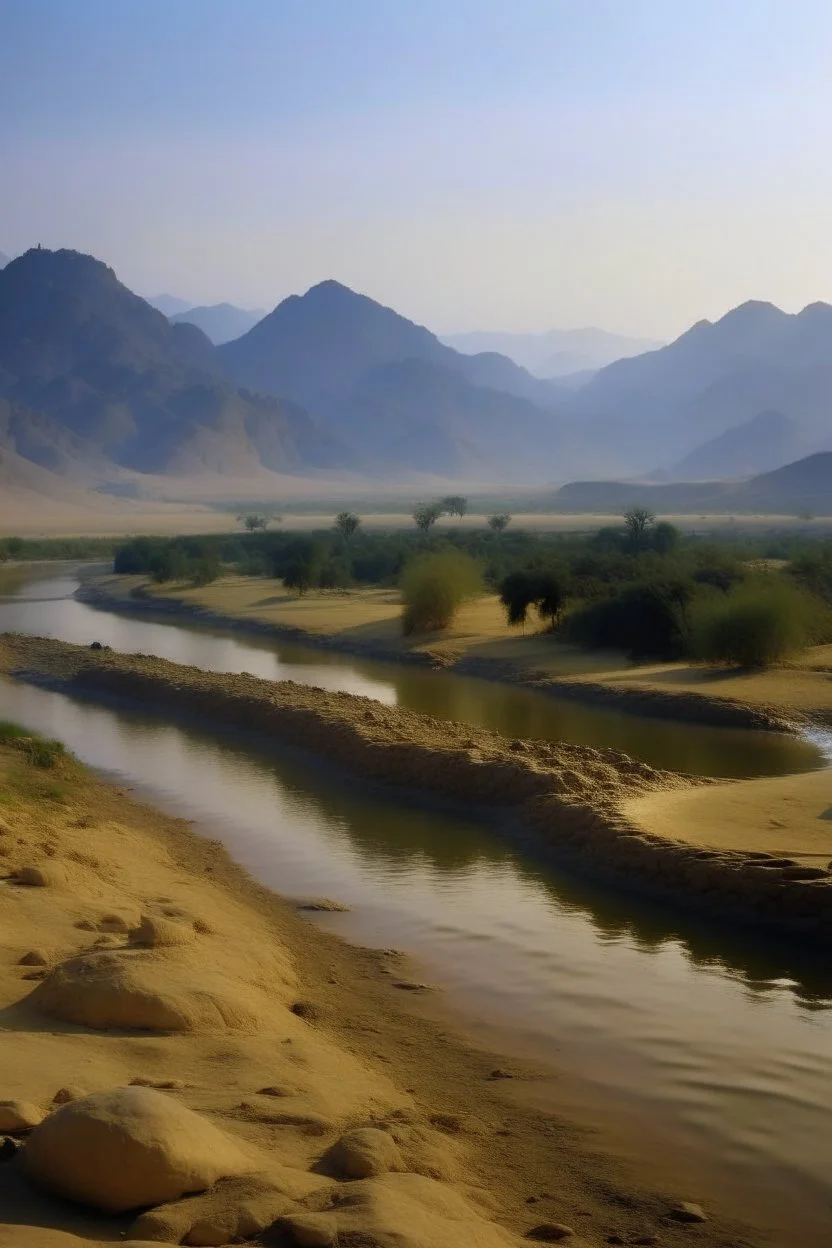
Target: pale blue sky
(511, 164)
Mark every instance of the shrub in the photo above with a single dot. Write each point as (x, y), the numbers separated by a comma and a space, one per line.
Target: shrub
(756, 625)
(434, 586)
(647, 621)
(40, 751)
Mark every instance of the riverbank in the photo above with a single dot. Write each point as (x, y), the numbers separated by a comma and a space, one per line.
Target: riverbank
(479, 643)
(128, 959)
(572, 801)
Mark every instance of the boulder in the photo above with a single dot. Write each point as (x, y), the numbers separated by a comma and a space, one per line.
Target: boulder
(129, 1148)
(363, 1154)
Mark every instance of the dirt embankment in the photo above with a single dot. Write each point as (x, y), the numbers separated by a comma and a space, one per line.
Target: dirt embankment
(571, 798)
(187, 1060)
(365, 624)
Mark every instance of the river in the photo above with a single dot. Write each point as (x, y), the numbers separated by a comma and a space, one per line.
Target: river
(704, 1051)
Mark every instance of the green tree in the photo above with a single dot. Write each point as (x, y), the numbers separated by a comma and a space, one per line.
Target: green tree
(454, 505)
(347, 523)
(434, 586)
(425, 515)
(499, 522)
(517, 595)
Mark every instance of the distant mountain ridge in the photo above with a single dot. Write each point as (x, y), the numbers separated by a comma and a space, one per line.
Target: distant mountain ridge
(105, 378)
(555, 352)
(660, 406)
(760, 444)
(169, 305)
(378, 379)
(4, 259)
(221, 322)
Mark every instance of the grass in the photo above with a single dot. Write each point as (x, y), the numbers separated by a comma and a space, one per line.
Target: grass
(43, 752)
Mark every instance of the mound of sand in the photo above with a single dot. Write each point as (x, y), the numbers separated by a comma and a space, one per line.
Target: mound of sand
(363, 1154)
(130, 989)
(128, 1148)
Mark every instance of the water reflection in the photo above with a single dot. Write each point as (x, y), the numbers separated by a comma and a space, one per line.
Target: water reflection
(43, 604)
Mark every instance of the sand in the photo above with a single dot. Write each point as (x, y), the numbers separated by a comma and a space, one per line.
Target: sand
(574, 800)
(334, 1111)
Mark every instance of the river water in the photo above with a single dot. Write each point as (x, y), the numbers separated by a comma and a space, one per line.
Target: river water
(703, 1051)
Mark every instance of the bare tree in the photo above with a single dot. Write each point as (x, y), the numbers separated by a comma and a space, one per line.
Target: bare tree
(636, 523)
(425, 515)
(347, 523)
(499, 523)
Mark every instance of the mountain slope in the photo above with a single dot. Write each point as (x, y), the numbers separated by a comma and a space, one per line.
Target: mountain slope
(758, 445)
(4, 259)
(221, 322)
(168, 305)
(392, 390)
(557, 352)
(79, 347)
(662, 405)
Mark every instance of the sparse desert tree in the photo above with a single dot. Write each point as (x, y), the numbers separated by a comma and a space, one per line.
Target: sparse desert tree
(253, 520)
(517, 595)
(434, 586)
(425, 515)
(637, 520)
(454, 505)
(499, 522)
(550, 597)
(347, 523)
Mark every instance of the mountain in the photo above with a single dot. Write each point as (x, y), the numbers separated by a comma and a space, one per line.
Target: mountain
(94, 376)
(557, 352)
(804, 486)
(170, 305)
(4, 259)
(758, 445)
(221, 322)
(397, 394)
(660, 406)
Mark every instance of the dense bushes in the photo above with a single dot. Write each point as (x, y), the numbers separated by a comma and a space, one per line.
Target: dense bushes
(755, 625)
(434, 586)
(648, 620)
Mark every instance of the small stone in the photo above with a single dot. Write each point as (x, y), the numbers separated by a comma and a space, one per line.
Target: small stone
(499, 1073)
(410, 986)
(308, 1010)
(687, 1212)
(34, 958)
(17, 1116)
(64, 1095)
(550, 1233)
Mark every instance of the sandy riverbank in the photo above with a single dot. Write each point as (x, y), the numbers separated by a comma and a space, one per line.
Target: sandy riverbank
(572, 800)
(479, 643)
(135, 953)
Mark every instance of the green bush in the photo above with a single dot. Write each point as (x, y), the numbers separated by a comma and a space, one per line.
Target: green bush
(434, 586)
(756, 625)
(40, 751)
(649, 620)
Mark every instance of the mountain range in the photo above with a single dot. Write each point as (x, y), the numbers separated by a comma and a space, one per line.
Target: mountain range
(221, 322)
(97, 384)
(4, 259)
(557, 352)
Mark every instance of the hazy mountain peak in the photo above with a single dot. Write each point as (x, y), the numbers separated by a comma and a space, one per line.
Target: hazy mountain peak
(169, 305)
(221, 322)
(4, 259)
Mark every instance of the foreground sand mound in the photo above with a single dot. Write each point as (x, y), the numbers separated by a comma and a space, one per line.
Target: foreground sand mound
(363, 1154)
(129, 1148)
(395, 1211)
(132, 989)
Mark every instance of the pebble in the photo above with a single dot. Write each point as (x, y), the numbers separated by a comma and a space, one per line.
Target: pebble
(550, 1233)
(501, 1074)
(687, 1212)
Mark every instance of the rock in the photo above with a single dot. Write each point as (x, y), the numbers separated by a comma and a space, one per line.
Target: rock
(17, 1116)
(363, 1154)
(308, 1010)
(34, 958)
(64, 1095)
(48, 875)
(158, 932)
(309, 1231)
(550, 1233)
(128, 1148)
(687, 1212)
(8, 1148)
(408, 985)
(325, 905)
(501, 1074)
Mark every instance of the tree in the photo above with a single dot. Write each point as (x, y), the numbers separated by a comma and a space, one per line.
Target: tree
(665, 537)
(298, 575)
(454, 505)
(254, 521)
(499, 523)
(434, 586)
(425, 515)
(549, 596)
(516, 595)
(636, 523)
(347, 522)
(521, 590)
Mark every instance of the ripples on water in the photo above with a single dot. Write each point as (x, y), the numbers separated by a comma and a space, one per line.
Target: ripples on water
(720, 1041)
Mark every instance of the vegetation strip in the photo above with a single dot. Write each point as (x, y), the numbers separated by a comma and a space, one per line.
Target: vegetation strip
(571, 796)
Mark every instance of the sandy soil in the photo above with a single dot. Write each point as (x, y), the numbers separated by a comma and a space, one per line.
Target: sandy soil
(480, 642)
(135, 953)
(572, 798)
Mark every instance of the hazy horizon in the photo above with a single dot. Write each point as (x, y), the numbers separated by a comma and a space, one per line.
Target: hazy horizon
(636, 167)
